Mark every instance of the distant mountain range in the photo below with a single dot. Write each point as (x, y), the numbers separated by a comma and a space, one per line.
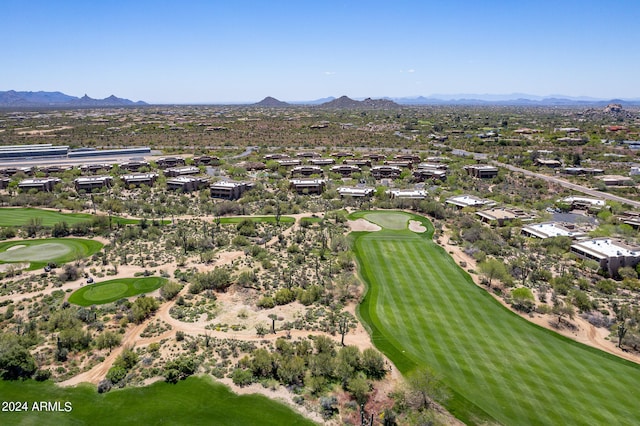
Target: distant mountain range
(515, 99)
(341, 102)
(41, 99)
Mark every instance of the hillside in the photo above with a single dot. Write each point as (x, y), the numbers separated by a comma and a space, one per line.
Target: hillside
(12, 98)
(346, 102)
(271, 103)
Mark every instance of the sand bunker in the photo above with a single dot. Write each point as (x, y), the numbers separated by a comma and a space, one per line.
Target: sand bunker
(416, 226)
(15, 247)
(363, 225)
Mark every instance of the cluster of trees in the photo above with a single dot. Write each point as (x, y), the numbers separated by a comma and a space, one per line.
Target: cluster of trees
(313, 364)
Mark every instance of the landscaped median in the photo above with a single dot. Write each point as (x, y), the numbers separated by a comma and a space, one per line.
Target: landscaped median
(424, 310)
(112, 290)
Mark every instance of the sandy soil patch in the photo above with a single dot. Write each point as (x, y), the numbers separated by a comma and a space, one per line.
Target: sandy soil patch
(363, 225)
(15, 247)
(42, 131)
(416, 226)
(4, 267)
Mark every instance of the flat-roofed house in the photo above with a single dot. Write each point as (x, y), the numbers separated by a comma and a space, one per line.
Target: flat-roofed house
(408, 157)
(545, 230)
(355, 192)
(206, 160)
(167, 162)
(307, 154)
(181, 171)
(229, 190)
(322, 161)
(308, 186)
(413, 194)
(54, 168)
(345, 170)
(289, 162)
(306, 171)
(584, 203)
(548, 163)
(462, 201)
(616, 180)
(375, 156)
(582, 171)
(399, 163)
(137, 179)
(276, 156)
(421, 175)
(10, 171)
(92, 182)
(95, 168)
(386, 172)
(187, 183)
(133, 166)
(340, 154)
(611, 254)
(252, 165)
(502, 215)
(39, 184)
(482, 171)
(357, 162)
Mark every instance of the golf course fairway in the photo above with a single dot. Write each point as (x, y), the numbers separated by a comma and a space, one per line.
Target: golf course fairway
(42, 251)
(424, 310)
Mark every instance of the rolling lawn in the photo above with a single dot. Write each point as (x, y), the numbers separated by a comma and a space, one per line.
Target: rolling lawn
(195, 401)
(112, 290)
(424, 310)
(21, 216)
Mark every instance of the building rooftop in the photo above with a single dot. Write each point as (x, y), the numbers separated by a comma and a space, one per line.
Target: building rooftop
(550, 229)
(607, 247)
(468, 201)
(593, 201)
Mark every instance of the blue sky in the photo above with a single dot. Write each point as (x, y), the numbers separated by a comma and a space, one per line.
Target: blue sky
(241, 51)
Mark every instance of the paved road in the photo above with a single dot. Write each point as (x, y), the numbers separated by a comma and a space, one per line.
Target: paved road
(569, 185)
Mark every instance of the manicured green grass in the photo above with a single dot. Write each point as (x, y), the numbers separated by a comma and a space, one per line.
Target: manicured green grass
(259, 219)
(10, 216)
(424, 310)
(397, 221)
(40, 252)
(195, 401)
(112, 290)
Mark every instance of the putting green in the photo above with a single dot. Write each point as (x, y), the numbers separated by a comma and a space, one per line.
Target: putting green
(40, 252)
(396, 221)
(112, 290)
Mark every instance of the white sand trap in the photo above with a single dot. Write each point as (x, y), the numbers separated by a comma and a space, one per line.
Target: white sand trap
(36, 253)
(15, 248)
(363, 225)
(416, 226)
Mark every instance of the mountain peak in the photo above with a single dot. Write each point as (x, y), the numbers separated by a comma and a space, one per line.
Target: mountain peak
(271, 102)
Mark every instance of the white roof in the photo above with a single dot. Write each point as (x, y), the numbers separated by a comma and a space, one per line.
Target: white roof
(592, 201)
(467, 200)
(550, 229)
(404, 193)
(607, 247)
(343, 190)
(227, 184)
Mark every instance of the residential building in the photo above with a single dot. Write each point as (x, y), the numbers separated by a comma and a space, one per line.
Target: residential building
(229, 190)
(308, 186)
(289, 162)
(583, 203)
(545, 230)
(385, 172)
(93, 182)
(167, 162)
(399, 163)
(355, 192)
(322, 161)
(501, 215)
(307, 154)
(462, 201)
(421, 175)
(306, 171)
(133, 166)
(276, 156)
(95, 168)
(548, 163)
(187, 183)
(137, 179)
(357, 162)
(39, 184)
(610, 254)
(206, 160)
(616, 180)
(482, 171)
(345, 169)
(415, 194)
(182, 171)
